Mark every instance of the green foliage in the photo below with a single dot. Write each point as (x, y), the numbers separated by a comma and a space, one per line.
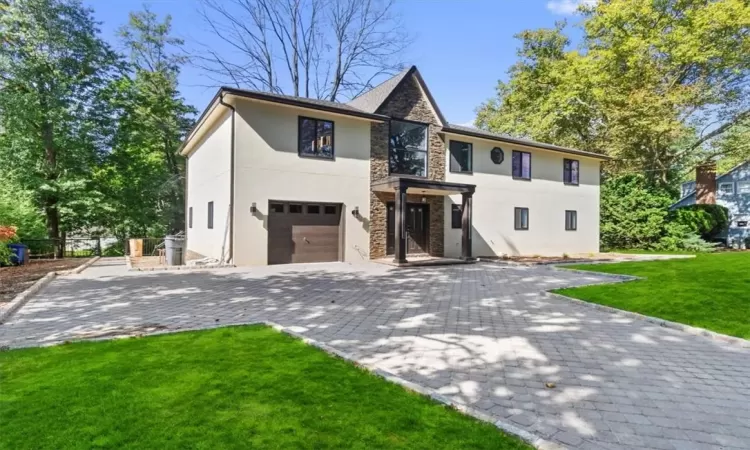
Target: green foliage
(17, 209)
(655, 84)
(53, 118)
(635, 215)
(706, 221)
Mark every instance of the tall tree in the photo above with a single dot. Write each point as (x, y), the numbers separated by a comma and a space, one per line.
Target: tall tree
(143, 175)
(329, 49)
(52, 117)
(656, 83)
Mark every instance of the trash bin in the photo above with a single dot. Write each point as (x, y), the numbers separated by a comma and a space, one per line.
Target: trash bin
(19, 254)
(173, 246)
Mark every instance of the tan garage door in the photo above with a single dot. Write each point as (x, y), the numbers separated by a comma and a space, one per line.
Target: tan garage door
(303, 232)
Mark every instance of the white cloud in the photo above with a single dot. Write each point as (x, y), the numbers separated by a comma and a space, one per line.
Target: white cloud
(567, 7)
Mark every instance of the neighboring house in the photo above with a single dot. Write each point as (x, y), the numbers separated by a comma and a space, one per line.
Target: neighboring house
(731, 190)
(279, 179)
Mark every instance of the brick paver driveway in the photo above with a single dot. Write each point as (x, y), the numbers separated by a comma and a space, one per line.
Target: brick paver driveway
(482, 335)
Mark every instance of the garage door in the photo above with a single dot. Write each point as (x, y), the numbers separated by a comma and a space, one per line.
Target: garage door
(303, 232)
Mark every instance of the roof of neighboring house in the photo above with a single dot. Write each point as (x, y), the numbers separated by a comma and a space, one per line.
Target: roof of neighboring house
(475, 132)
(718, 177)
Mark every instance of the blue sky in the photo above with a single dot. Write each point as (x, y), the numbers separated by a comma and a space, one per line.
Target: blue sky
(461, 47)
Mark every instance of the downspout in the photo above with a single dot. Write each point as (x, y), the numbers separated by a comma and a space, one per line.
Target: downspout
(231, 180)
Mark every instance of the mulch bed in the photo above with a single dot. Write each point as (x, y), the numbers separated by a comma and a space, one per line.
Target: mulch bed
(16, 279)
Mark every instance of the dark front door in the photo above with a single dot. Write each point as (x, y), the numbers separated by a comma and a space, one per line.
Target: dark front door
(417, 228)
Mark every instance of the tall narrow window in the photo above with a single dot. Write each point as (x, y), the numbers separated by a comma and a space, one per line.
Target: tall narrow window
(407, 148)
(521, 165)
(210, 215)
(461, 156)
(570, 171)
(521, 218)
(571, 220)
(315, 138)
(190, 217)
(456, 216)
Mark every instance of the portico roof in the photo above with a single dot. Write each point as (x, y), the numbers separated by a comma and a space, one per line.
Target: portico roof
(415, 185)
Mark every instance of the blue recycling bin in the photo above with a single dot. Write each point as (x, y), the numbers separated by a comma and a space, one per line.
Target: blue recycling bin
(19, 254)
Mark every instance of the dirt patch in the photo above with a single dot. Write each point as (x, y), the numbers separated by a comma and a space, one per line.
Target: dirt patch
(16, 279)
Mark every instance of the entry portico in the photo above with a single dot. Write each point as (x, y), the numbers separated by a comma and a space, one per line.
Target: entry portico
(402, 186)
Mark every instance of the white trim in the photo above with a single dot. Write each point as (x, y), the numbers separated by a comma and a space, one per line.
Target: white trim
(728, 183)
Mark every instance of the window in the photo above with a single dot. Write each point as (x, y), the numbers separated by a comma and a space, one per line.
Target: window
(277, 208)
(190, 217)
(726, 188)
(571, 220)
(521, 165)
(521, 218)
(743, 187)
(210, 215)
(570, 171)
(295, 209)
(742, 223)
(456, 216)
(329, 209)
(315, 138)
(461, 155)
(313, 209)
(407, 148)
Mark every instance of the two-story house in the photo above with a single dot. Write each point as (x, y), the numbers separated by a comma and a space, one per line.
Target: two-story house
(731, 190)
(278, 179)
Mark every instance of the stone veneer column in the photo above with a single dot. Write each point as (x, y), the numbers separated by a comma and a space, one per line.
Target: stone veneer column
(409, 103)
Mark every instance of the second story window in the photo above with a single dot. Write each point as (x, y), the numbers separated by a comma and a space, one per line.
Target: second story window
(726, 188)
(570, 171)
(521, 165)
(407, 148)
(461, 153)
(315, 138)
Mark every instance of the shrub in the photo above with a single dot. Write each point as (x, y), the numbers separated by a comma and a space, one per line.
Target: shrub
(707, 221)
(7, 235)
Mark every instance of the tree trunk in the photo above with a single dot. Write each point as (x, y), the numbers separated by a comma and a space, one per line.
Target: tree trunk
(50, 200)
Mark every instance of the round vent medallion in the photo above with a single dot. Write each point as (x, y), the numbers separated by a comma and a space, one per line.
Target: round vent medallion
(497, 155)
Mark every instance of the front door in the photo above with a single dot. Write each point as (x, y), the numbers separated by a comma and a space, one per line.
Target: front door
(417, 228)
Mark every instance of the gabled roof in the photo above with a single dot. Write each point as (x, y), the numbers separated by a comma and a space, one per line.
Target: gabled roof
(475, 132)
(718, 177)
(376, 97)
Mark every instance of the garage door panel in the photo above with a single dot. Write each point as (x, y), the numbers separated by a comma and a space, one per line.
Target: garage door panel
(303, 237)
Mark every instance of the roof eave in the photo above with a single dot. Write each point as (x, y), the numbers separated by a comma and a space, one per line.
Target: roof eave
(540, 145)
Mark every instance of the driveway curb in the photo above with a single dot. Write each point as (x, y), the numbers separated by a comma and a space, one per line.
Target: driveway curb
(507, 427)
(696, 331)
(21, 299)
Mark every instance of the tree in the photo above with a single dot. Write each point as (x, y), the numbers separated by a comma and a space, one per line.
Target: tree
(143, 175)
(655, 84)
(327, 49)
(53, 118)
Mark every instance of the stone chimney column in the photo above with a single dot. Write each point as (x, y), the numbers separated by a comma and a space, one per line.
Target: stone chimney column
(705, 184)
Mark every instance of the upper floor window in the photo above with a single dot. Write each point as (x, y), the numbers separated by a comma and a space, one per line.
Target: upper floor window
(570, 171)
(461, 155)
(743, 187)
(726, 188)
(521, 165)
(407, 148)
(315, 138)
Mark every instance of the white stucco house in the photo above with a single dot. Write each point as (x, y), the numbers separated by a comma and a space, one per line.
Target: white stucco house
(278, 179)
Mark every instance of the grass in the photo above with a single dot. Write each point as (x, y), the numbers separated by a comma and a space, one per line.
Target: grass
(235, 387)
(711, 291)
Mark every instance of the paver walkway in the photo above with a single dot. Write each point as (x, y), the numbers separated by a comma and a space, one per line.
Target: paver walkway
(481, 334)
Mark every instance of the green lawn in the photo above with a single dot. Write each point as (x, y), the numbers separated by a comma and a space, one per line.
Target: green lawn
(237, 387)
(711, 291)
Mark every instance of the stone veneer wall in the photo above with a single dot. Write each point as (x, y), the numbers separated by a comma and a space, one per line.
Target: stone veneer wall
(407, 102)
